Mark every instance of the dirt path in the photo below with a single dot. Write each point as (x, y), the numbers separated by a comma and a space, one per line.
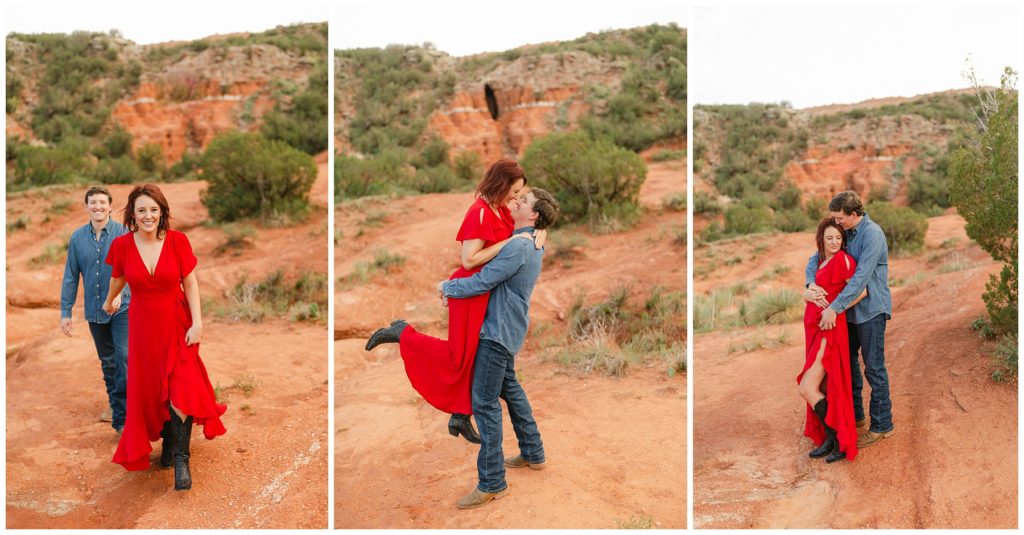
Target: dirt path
(268, 471)
(616, 446)
(952, 462)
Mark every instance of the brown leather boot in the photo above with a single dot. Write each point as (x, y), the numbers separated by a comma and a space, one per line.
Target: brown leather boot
(479, 498)
(518, 462)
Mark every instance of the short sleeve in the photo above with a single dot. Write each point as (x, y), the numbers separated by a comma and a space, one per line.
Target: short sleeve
(186, 258)
(478, 224)
(115, 257)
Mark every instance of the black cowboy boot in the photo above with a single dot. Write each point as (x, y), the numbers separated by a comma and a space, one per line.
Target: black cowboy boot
(462, 424)
(387, 335)
(836, 455)
(182, 433)
(167, 446)
(820, 409)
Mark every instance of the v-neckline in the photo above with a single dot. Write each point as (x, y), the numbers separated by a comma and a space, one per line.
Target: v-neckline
(160, 255)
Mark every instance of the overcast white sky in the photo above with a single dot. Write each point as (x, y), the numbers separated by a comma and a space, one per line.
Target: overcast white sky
(146, 23)
(812, 56)
(462, 28)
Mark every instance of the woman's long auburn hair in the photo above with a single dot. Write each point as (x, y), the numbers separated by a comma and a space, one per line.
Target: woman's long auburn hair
(819, 237)
(498, 180)
(153, 192)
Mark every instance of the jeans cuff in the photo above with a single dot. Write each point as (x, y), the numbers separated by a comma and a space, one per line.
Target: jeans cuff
(482, 489)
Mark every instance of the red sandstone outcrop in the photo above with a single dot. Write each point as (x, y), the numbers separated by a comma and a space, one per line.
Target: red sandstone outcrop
(872, 155)
(187, 104)
(502, 110)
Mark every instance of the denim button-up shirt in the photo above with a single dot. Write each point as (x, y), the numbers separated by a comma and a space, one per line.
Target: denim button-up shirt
(510, 277)
(87, 257)
(866, 244)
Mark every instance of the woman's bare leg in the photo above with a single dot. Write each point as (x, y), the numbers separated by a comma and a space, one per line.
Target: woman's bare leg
(183, 415)
(810, 383)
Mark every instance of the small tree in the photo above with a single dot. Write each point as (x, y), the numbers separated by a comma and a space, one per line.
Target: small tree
(984, 190)
(591, 179)
(250, 176)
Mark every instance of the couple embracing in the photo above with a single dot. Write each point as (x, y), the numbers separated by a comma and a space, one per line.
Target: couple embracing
(848, 305)
(488, 300)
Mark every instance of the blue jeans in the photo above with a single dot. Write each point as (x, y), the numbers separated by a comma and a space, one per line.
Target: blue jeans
(494, 377)
(869, 338)
(111, 341)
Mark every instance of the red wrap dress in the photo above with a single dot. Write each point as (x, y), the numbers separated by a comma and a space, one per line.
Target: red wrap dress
(442, 370)
(836, 360)
(161, 368)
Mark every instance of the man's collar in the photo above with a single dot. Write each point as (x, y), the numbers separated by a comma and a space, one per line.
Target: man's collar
(528, 228)
(103, 228)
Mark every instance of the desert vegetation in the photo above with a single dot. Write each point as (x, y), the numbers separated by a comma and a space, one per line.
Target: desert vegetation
(984, 190)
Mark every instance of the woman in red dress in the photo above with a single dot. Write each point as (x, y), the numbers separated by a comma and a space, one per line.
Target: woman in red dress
(825, 380)
(442, 370)
(168, 387)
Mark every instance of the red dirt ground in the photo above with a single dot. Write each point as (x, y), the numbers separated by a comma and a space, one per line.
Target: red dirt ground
(616, 447)
(952, 462)
(268, 471)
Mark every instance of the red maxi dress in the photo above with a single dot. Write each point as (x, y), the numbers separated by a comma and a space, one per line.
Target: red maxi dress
(161, 367)
(442, 370)
(836, 360)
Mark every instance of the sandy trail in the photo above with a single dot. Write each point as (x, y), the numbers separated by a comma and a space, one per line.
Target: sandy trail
(616, 447)
(268, 471)
(952, 462)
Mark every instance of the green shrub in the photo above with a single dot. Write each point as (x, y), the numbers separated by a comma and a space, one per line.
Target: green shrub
(187, 167)
(434, 154)
(589, 178)
(792, 220)
(904, 228)
(43, 166)
(250, 176)
(928, 193)
(302, 123)
(437, 179)
(1006, 358)
(382, 173)
(675, 202)
(668, 154)
(705, 203)
(468, 166)
(150, 158)
(118, 143)
(788, 198)
(301, 299)
(772, 307)
(743, 219)
(120, 170)
(14, 86)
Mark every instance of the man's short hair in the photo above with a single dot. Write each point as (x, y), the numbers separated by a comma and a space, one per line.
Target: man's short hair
(98, 190)
(848, 202)
(546, 207)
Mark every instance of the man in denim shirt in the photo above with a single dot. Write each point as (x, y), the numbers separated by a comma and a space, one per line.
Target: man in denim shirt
(866, 244)
(510, 277)
(87, 252)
